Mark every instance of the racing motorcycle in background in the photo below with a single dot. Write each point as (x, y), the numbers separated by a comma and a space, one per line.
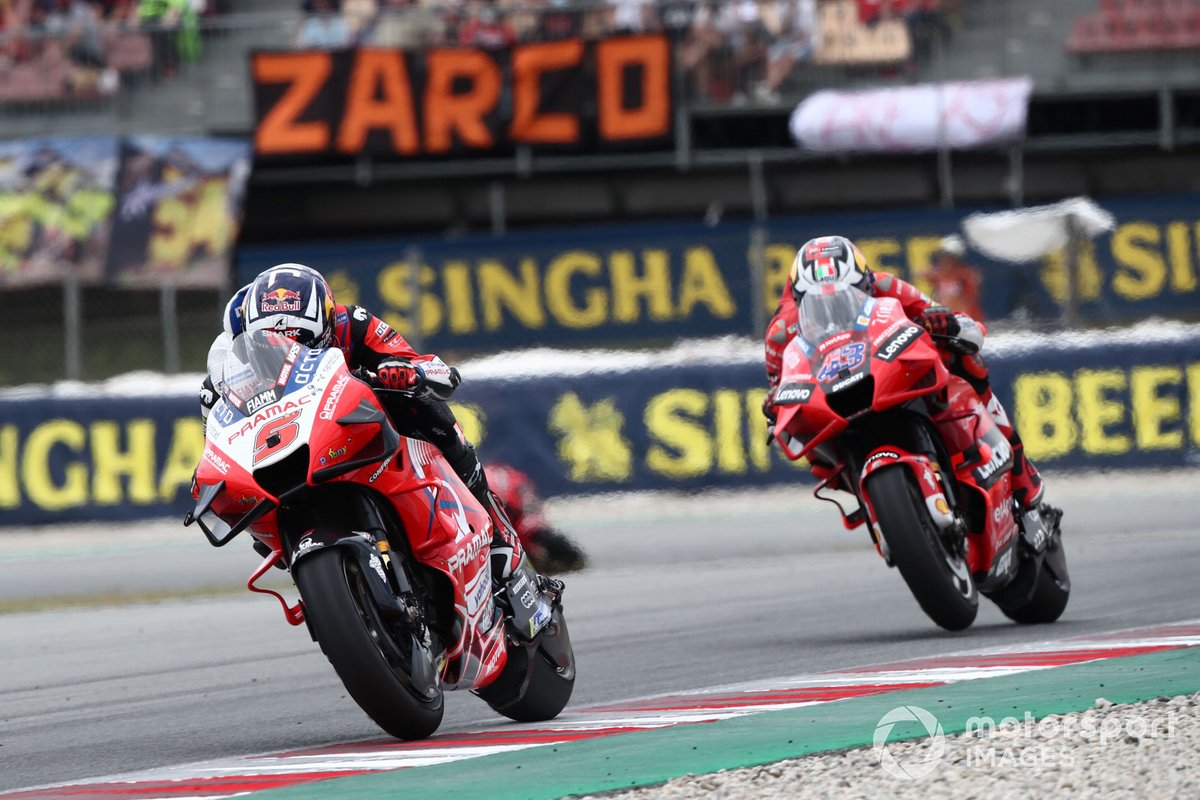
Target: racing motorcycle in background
(865, 395)
(389, 551)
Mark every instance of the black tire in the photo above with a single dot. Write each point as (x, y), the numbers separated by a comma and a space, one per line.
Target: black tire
(1050, 594)
(939, 579)
(362, 647)
(549, 687)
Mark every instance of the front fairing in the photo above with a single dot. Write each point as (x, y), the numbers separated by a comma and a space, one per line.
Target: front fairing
(854, 354)
(449, 531)
(830, 355)
(288, 416)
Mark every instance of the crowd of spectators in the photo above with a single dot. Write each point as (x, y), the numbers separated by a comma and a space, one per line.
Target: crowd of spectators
(82, 48)
(729, 50)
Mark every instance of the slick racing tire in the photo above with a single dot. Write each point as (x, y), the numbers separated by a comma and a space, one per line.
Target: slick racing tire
(938, 578)
(535, 686)
(1050, 593)
(369, 653)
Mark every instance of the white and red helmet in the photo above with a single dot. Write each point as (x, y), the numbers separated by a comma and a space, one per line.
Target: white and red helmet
(828, 260)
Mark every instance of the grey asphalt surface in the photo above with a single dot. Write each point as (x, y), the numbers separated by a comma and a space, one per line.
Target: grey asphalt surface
(684, 592)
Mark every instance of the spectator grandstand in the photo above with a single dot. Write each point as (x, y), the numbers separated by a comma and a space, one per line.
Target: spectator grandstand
(1114, 109)
(1137, 25)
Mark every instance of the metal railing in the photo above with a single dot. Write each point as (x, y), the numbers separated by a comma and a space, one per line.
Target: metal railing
(724, 66)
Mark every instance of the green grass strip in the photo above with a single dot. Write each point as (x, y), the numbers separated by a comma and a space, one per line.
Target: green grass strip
(651, 757)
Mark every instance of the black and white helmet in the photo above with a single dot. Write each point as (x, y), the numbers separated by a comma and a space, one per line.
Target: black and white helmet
(829, 260)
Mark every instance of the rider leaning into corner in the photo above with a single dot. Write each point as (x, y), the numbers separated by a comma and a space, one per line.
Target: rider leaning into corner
(296, 301)
(835, 259)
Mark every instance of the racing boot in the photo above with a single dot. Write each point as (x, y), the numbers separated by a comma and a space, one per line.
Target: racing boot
(506, 544)
(1028, 489)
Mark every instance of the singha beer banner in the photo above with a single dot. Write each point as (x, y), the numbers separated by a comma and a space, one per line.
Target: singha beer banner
(136, 210)
(630, 285)
(914, 118)
(1123, 399)
(448, 101)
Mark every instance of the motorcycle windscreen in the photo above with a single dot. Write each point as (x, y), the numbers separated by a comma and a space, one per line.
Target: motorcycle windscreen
(834, 320)
(828, 310)
(258, 368)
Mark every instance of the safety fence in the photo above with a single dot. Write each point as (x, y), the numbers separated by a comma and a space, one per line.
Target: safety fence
(689, 420)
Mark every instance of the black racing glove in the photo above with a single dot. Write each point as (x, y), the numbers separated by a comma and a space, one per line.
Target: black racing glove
(940, 321)
(208, 397)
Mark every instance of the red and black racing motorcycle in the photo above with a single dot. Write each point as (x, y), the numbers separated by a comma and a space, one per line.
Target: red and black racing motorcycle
(864, 393)
(389, 550)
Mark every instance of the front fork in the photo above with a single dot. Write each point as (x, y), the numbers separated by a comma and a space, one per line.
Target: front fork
(927, 474)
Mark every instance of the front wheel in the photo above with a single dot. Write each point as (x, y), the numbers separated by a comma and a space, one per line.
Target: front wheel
(370, 653)
(938, 577)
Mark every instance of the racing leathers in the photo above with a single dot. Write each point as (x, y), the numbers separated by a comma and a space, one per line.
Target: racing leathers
(369, 343)
(963, 361)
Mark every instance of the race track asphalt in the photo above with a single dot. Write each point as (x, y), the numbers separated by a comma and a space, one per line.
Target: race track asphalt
(684, 592)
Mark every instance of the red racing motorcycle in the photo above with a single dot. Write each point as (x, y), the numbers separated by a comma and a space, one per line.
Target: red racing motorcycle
(865, 395)
(388, 549)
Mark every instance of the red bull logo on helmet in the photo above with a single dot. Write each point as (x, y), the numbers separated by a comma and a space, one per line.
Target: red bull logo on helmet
(279, 300)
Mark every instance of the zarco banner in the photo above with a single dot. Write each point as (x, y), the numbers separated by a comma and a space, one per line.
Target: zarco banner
(391, 102)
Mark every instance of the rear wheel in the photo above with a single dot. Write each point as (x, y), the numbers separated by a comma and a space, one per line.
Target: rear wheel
(537, 682)
(370, 653)
(936, 574)
(1050, 593)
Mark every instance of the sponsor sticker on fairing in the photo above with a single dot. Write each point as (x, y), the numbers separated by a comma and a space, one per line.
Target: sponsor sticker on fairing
(898, 343)
(478, 598)
(853, 379)
(221, 464)
(260, 400)
(847, 358)
(375, 475)
(1001, 456)
(888, 454)
(793, 394)
(335, 394)
(467, 554)
(833, 341)
(1003, 563)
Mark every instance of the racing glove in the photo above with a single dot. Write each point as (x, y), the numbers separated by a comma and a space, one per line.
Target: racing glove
(401, 375)
(940, 321)
(771, 412)
(430, 378)
(208, 397)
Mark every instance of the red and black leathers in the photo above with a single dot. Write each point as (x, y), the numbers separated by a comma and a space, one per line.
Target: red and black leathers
(1027, 483)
